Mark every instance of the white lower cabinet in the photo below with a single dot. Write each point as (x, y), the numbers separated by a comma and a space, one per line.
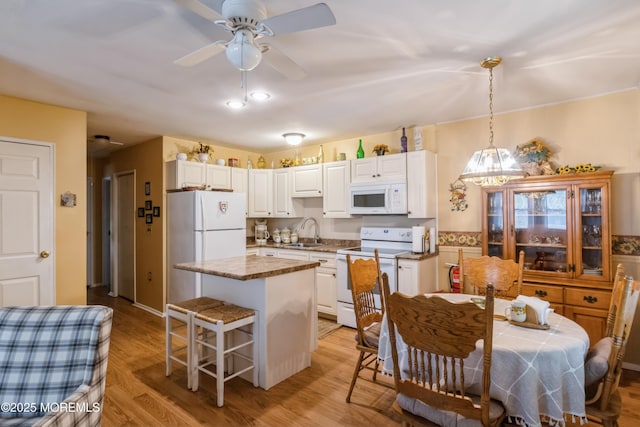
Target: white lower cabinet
(326, 282)
(417, 277)
(253, 251)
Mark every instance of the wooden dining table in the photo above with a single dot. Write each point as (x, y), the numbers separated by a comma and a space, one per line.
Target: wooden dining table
(538, 375)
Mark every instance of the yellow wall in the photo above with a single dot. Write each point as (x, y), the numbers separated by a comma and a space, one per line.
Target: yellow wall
(67, 129)
(147, 161)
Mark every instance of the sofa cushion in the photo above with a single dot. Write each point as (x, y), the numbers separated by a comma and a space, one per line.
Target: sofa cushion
(46, 353)
(597, 362)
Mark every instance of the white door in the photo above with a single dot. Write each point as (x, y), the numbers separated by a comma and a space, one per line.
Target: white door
(26, 224)
(125, 239)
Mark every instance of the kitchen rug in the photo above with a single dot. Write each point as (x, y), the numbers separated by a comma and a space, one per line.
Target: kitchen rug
(325, 327)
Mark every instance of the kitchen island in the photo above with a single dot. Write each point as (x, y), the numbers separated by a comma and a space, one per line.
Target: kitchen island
(283, 293)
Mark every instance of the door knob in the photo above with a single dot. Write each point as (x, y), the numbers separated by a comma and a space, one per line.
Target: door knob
(44, 254)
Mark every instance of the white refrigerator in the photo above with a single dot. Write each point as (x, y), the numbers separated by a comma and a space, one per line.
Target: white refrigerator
(201, 225)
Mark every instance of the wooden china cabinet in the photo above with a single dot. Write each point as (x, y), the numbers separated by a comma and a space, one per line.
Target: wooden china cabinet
(562, 223)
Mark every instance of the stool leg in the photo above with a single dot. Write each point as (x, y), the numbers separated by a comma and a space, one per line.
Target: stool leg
(220, 362)
(254, 336)
(190, 348)
(195, 356)
(168, 342)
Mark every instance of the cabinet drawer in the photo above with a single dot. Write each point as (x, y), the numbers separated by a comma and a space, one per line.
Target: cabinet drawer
(587, 298)
(549, 293)
(327, 260)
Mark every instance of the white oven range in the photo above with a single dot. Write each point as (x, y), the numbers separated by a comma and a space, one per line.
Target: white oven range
(390, 242)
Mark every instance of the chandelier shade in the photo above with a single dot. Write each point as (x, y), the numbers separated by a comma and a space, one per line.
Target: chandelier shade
(491, 166)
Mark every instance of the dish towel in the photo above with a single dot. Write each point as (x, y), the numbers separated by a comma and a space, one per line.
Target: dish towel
(540, 307)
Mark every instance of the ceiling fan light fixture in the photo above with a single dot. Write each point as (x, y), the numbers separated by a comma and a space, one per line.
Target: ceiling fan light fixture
(491, 166)
(242, 51)
(293, 138)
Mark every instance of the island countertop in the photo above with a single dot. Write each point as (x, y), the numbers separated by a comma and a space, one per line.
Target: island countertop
(247, 267)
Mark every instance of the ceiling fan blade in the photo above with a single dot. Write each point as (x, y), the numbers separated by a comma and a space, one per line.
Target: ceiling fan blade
(282, 63)
(318, 15)
(201, 54)
(203, 10)
(116, 143)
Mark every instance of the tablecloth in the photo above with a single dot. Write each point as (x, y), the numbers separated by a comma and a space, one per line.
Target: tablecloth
(538, 375)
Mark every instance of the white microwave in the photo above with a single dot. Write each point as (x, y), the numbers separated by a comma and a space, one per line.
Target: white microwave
(378, 198)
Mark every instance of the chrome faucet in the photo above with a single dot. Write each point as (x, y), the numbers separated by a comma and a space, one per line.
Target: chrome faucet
(316, 230)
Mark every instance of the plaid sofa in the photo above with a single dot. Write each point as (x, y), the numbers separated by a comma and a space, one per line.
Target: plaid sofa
(53, 365)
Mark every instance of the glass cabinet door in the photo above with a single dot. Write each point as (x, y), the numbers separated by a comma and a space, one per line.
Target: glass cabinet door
(540, 230)
(495, 224)
(590, 258)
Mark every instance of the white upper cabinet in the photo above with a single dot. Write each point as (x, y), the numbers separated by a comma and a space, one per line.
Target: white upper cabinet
(370, 169)
(260, 193)
(307, 181)
(335, 195)
(183, 173)
(284, 206)
(218, 177)
(422, 186)
(240, 182)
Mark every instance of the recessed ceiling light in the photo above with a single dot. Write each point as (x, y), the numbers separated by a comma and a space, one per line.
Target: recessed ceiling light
(235, 104)
(260, 96)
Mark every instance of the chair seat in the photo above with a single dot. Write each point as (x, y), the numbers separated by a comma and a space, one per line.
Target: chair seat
(371, 335)
(227, 313)
(447, 418)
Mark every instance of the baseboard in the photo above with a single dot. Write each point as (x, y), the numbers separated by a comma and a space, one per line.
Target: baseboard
(328, 316)
(631, 366)
(149, 309)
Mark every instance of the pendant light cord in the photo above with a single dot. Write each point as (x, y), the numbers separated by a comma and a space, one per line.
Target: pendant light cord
(491, 107)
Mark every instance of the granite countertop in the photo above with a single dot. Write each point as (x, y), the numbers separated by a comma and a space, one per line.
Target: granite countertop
(247, 267)
(418, 257)
(328, 245)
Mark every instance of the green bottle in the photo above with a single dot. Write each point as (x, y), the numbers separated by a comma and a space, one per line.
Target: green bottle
(360, 153)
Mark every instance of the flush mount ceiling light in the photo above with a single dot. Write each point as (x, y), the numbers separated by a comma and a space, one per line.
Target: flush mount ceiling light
(236, 105)
(491, 166)
(260, 96)
(293, 138)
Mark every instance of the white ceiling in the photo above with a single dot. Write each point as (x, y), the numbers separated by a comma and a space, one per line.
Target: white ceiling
(384, 65)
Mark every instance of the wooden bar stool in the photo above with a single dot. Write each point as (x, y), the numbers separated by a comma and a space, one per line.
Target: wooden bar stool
(182, 311)
(222, 319)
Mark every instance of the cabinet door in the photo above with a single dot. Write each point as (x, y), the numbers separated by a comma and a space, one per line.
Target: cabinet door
(417, 277)
(326, 285)
(260, 193)
(218, 177)
(307, 181)
(335, 195)
(541, 227)
(282, 192)
(364, 170)
(240, 183)
(592, 232)
(293, 254)
(593, 320)
(421, 187)
(392, 167)
(183, 173)
(493, 223)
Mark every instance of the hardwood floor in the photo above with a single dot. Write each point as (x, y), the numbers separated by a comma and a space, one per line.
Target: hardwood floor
(139, 394)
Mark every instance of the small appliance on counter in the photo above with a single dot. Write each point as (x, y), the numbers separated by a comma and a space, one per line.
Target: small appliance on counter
(261, 233)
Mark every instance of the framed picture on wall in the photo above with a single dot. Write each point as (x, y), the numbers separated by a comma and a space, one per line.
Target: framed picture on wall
(147, 205)
(141, 212)
(156, 211)
(147, 188)
(148, 219)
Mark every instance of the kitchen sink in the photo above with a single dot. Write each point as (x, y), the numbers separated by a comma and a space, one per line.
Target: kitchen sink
(303, 245)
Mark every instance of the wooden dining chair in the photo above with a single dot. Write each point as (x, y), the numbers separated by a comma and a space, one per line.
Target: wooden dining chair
(605, 406)
(504, 274)
(438, 336)
(364, 276)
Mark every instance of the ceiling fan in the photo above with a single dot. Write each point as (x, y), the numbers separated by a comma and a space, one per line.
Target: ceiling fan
(104, 140)
(247, 22)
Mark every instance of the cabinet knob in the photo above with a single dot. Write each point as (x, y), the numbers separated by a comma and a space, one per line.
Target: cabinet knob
(334, 274)
(541, 293)
(590, 299)
(373, 176)
(378, 175)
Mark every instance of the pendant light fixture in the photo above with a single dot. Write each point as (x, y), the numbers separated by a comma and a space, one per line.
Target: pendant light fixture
(491, 166)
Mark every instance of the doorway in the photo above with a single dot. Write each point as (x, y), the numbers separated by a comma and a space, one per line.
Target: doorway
(106, 233)
(124, 238)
